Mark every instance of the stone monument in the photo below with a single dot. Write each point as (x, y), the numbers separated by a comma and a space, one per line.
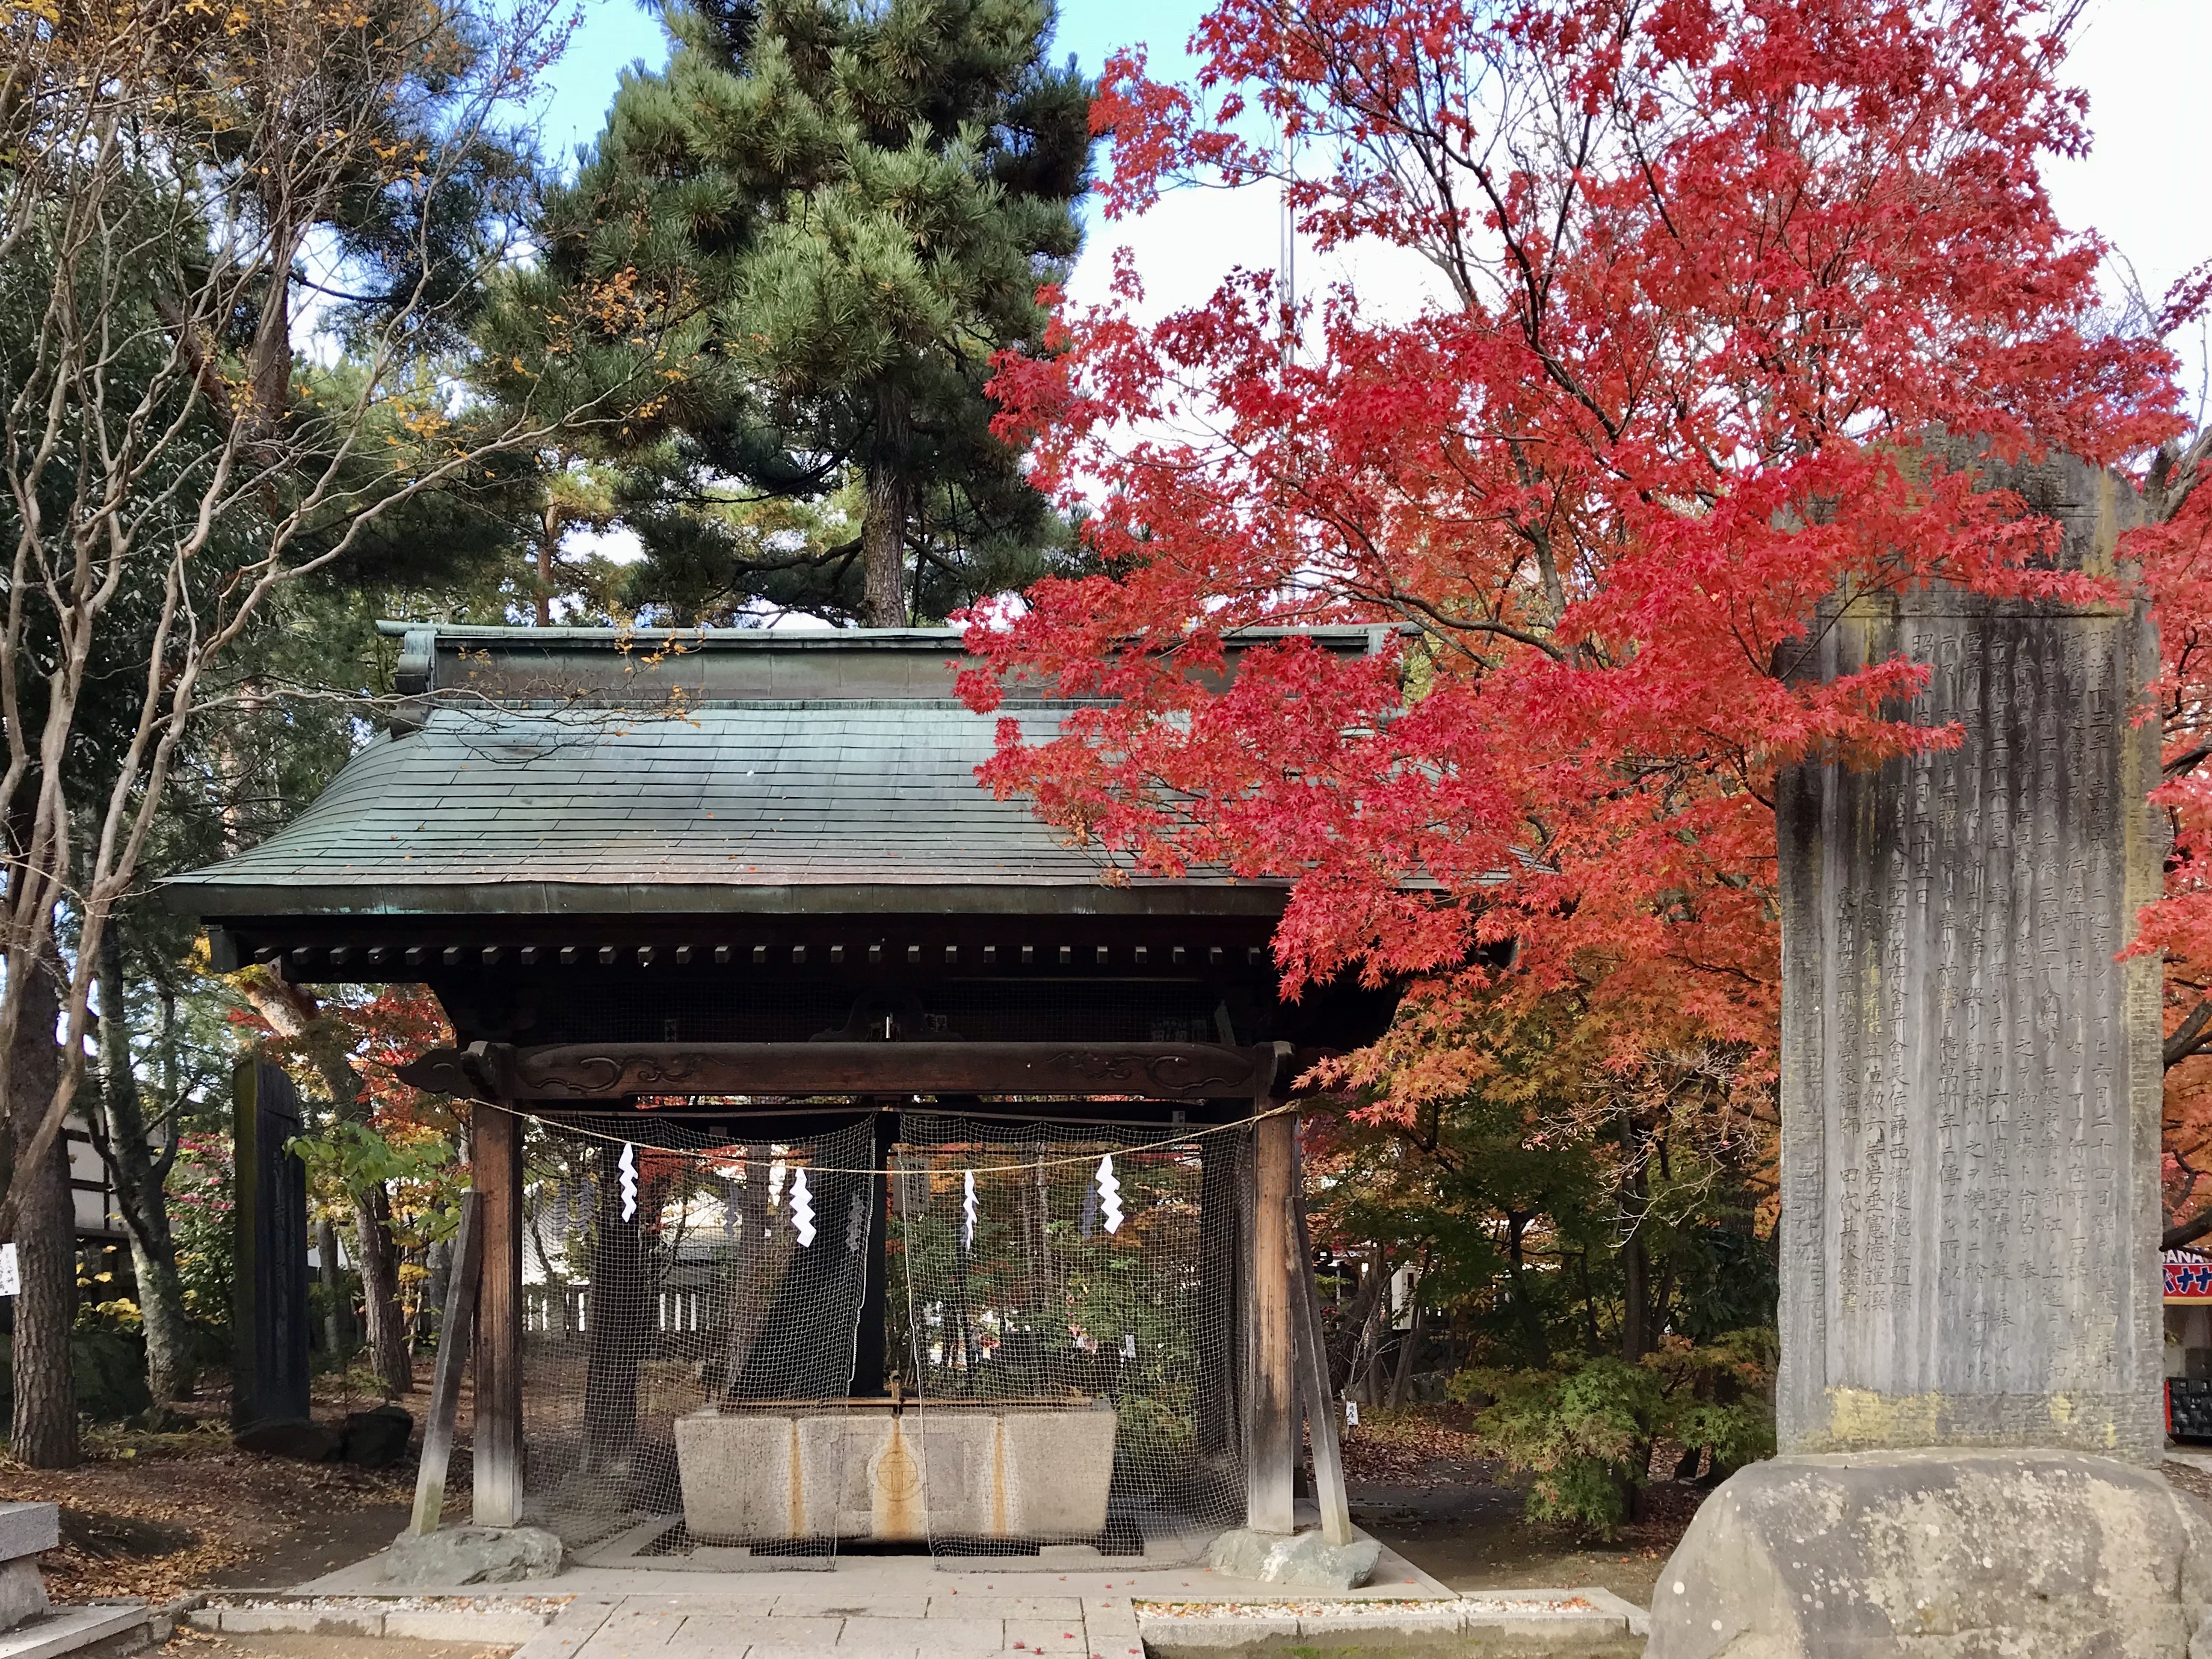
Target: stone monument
(270, 1313)
(1970, 1076)
(1971, 1094)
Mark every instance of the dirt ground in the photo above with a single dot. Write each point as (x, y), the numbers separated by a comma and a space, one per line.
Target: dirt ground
(158, 1515)
(1419, 1480)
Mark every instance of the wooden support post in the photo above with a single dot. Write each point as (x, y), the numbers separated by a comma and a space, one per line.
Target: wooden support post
(1270, 1417)
(452, 1354)
(1313, 1369)
(498, 1183)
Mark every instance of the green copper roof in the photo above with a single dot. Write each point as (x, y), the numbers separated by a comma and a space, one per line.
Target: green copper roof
(530, 789)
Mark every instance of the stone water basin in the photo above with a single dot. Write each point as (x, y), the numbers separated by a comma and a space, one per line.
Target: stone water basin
(1030, 1470)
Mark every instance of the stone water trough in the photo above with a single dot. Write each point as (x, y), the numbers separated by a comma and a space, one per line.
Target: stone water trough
(1028, 1470)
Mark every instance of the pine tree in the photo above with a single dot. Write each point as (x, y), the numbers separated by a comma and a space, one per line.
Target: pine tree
(848, 210)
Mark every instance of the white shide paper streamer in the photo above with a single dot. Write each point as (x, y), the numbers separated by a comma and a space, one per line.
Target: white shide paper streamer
(802, 1208)
(1109, 1195)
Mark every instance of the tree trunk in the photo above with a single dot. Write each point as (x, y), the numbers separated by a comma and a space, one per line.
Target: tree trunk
(140, 1189)
(1358, 1320)
(337, 1328)
(380, 1280)
(438, 1263)
(1360, 1374)
(1409, 1350)
(882, 536)
(43, 1435)
(1532, 1322)
(753, 1289)
(549, 538)
(618, 1332)
(1635, 1260)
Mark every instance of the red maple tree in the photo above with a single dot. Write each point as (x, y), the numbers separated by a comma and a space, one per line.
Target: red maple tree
(1709, 274)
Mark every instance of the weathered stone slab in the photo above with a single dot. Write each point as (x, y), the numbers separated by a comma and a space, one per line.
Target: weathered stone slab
(1057, 1636)
(28, 1529)
(939, 1636)
(1545, 1614)
(1166, 1634)
(716, 1632)
(754, 1473)
(572, 1627)
(304, 1621)
(1938, 1555)
(625, 1634)
(853, 1600)
(484, 1626)
(22, 1591)
(103, 1629)
(1043, 1608)
(1970, 1076)
(1373, 1621)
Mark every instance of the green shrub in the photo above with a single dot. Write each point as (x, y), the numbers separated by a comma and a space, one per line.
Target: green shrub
(1584, 1433)
(109, 1373)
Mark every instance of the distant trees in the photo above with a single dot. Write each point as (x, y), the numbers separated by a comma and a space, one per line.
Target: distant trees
(185, 193)
(843, 212)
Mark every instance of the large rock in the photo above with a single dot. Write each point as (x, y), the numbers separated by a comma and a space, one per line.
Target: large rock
(1298, 1557)
(1957, 1554)
(295, 1437)
(472, 1555)
(376, 1439)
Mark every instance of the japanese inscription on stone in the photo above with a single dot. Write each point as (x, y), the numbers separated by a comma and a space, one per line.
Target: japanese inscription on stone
(1970, 1061)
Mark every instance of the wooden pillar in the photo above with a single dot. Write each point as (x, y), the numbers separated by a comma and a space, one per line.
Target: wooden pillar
(452, 1354)
(1271, 1407)
(1313, 1369)
(498, 1448)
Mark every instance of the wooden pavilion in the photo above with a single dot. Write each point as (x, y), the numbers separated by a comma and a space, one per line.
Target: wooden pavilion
(754, 872)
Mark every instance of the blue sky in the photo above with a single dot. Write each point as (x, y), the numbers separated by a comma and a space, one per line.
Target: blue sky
(615, 33)
(2141, 62)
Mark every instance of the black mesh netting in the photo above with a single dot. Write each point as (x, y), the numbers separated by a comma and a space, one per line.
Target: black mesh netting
(1070, 1317)
(1025, 1338)
(665, 1277)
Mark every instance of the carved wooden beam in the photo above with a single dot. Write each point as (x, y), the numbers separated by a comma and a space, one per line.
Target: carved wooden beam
(616, 1071)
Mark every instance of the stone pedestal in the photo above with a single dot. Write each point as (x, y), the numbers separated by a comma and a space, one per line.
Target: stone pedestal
(756, 1473)
(26, 1530)
(1970, 1077)
(1938, 1555)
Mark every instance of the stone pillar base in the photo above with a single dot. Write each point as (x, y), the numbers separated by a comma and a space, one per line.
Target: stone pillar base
(25, 1530)
(1942, 1554)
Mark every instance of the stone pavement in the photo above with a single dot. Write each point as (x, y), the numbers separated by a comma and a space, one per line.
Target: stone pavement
(829, 1625)
(868, 1607)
